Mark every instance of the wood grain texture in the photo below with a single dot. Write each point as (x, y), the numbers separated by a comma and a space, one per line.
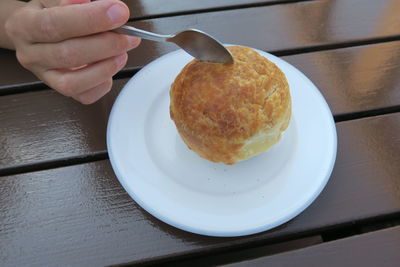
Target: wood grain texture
(81, 216)
(152, 8)
(47, 126)
(272, 28)
(379, 248)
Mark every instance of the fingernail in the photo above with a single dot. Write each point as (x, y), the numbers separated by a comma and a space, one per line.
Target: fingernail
(116, 13)
(133, 41)
(120, 60)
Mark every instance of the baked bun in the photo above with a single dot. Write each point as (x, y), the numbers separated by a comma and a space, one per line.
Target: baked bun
(230, 112)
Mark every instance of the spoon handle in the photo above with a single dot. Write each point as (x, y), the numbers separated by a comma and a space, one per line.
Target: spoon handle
(128, 30)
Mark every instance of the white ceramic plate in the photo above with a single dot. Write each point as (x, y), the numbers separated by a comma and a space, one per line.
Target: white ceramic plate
(178, 187)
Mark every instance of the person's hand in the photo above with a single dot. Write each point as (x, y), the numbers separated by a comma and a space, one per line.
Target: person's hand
(69, 46)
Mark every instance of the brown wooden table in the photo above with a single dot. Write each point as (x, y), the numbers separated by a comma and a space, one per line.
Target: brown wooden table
(61, 204)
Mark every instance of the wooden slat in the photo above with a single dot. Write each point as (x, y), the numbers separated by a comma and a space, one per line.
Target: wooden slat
(281, 27)
(271, 28)
(81, 216)
(355, 79)
(47, 126)
(379, 248)
(12, 73)
(242, 254)
(151, 8)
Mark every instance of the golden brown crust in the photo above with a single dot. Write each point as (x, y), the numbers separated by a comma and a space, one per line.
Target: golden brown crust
(218, 107)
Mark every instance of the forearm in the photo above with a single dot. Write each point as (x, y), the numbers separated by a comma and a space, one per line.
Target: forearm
(7, 8)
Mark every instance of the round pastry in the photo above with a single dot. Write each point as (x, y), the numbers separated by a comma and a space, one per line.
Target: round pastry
(230, 112)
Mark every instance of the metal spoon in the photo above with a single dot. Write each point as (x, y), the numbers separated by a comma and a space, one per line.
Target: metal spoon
(197, 43)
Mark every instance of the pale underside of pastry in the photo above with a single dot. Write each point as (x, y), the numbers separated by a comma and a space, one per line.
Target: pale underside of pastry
(230, 112)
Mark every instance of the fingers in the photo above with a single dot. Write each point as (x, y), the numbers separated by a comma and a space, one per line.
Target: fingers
(72, 2)
(68, 44)
(74, 20)
(76, 82)
(80, 51)
(46, 3)
(53, 3)
(95, 93)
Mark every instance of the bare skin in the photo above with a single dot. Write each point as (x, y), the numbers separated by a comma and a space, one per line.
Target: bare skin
(67, 43)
